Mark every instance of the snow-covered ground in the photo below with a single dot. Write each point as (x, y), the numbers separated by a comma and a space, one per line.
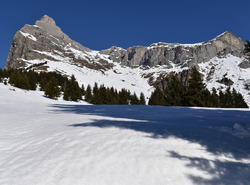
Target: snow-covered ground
(50, 142)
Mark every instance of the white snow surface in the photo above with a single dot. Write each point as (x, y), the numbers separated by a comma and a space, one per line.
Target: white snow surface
(228, 67)
(28, 36)
(51, 142)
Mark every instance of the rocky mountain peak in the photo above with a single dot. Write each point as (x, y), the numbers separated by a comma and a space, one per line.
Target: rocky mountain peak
(48, 20)
(227, 33)
(47, 23)
(40, 42)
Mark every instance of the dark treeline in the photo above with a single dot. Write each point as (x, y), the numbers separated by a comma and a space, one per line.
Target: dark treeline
(103, 95)
(54, 84)
(195, 94)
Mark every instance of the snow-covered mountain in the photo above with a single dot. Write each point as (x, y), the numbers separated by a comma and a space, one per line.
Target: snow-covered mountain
(137, 68)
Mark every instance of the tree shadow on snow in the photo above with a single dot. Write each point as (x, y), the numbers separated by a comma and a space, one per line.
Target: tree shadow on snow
(220, 172)
(213, 129)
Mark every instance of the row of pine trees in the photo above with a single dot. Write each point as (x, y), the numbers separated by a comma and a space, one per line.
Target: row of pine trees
(54, 84)
(175, 94)
(195, 94)
(103, 95)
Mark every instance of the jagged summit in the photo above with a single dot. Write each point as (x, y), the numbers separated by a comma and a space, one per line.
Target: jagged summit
(48, 20)
(226, 33)
(47, 23)
(37, 42)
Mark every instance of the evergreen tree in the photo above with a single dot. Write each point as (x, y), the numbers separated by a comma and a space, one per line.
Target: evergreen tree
(72, 90)
(113, 96)
(15, 78)
(142, 100)
(228, 98)
(214, 98)
(96, 99)
(103, 95)
(19, 79)
(32, 79)
(222, 102)
(194, 94)
(157, 98)
(134, 99)
(76, 90)
(238, 100)
(88, 96)
(207, 98)
(43, 83)
(123, 97)
(174, 92)
(51, 89)
(24, 82)
(83, 90)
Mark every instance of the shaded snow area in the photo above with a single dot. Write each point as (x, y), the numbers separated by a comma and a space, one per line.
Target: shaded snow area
(50, 142)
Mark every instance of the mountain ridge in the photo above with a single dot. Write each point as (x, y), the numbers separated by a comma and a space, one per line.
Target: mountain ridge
(135, 55)
(138, 68)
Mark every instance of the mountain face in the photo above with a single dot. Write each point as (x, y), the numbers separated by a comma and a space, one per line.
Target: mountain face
(43, 41)
(44, 46)
(185, 55)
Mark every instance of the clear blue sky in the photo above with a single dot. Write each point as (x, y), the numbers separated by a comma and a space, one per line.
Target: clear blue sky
(99, 24)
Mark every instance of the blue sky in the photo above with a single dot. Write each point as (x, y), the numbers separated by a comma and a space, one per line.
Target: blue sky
(101, 24)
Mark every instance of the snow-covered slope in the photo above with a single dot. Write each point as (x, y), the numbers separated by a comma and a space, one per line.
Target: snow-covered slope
(228, 67)
(137, 79)
(43, 141)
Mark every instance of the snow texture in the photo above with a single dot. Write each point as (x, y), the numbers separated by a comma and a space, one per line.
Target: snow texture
(228, 67)
(50, 142)
(28, 36)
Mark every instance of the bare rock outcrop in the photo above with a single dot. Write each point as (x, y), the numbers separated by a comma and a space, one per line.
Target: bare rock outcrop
(32, 42)
(185, 55)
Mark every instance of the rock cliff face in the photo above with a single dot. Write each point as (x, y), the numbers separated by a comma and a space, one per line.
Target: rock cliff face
(46, 41)
(185, 55)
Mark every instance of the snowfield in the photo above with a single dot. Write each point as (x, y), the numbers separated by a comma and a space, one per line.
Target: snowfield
(50, 142)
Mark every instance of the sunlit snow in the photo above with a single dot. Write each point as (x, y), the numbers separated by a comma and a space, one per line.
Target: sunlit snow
(51, 142)
(28, 36)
